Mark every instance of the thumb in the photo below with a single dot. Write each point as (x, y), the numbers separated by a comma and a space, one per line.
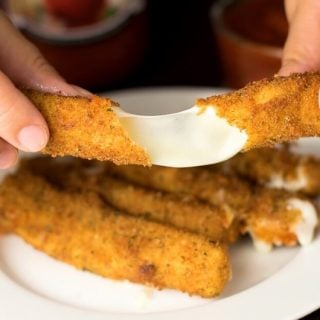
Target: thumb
(302, 49)
(23, 63)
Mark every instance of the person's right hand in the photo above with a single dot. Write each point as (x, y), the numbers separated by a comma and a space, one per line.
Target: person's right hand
(21, 124)
(302, 48)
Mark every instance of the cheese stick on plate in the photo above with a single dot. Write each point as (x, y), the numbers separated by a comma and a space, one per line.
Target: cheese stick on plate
(80, 229)
(271, 217)
(181, 211)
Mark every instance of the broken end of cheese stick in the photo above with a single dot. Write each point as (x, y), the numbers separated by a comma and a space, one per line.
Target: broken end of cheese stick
(280, 218)
(86, 128)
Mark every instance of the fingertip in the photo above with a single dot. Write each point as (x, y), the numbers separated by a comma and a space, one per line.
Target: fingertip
(59, 86)
(289, 68)
(17, 113)
(284, 72)
(33, 138)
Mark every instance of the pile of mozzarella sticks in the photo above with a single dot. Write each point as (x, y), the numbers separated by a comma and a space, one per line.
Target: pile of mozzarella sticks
(163, 227)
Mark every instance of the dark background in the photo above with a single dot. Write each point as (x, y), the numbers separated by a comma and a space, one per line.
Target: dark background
(181, 48)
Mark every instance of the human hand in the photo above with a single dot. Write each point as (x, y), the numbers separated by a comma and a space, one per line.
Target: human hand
(302, 48)
(21, 124)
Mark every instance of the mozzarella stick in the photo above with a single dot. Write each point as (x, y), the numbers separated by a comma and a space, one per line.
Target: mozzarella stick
(272, 110)
(279, 168)
(208, 185)
(183, 212)
(271, 217)
(86, 128)
(79, 229)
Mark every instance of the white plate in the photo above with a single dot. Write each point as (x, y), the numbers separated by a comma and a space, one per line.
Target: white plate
(282, 285)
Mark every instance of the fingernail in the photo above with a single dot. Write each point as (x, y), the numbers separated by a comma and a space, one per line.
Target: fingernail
(33, 138)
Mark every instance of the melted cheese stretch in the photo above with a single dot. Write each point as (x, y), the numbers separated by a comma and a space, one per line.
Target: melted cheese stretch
(189, 138)
(303, 229)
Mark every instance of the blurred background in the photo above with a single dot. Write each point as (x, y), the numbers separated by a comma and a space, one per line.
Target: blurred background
(114, 44)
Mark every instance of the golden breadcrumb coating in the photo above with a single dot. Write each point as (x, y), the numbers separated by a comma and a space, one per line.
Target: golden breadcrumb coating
(80, 229)
(272, 110)
(262, 212)
(208, 185)
(86, 128)
(181, 211)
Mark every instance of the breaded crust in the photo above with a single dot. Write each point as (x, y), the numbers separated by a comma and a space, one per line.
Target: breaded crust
(263, 213)
(211, 186)
(86, 128)
(272, 110)
(181, 211)
(83, 231)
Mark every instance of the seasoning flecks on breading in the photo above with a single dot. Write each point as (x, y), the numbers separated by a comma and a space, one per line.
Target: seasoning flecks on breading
(83, 231)
(86, 128)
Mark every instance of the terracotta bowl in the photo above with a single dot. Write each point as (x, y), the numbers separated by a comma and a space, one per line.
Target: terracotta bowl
(242, 60)
(94, 55)
(101, 62)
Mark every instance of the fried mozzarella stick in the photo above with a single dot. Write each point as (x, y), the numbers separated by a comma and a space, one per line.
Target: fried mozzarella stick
(86, 128)
(182, 212)
(81, 230)
(279, 168)
(179, 211)
(271, 110)
(271, 217)
(207, 185)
